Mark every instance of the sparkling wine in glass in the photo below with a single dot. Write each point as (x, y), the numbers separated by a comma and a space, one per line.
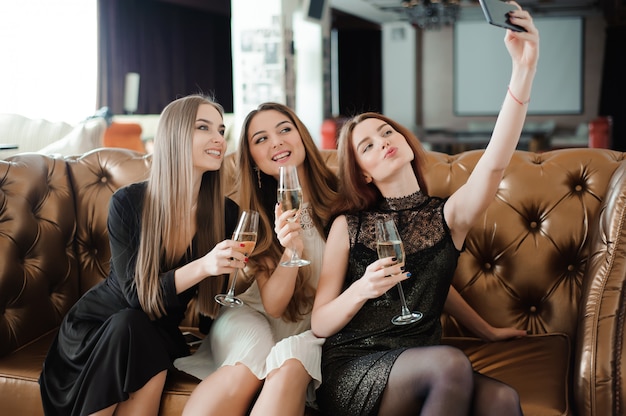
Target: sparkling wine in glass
(245, 233)
(388, 244)
(290, 198)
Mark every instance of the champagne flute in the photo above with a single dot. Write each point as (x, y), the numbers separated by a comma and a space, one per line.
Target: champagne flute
(245, 233)
(388, 244)
(290, 198)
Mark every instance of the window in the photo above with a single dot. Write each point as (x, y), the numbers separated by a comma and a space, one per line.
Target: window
(49, 58)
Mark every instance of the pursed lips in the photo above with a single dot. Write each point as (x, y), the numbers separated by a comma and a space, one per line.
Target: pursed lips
(392, 151)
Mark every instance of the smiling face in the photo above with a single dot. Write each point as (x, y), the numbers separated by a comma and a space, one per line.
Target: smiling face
(274, 141)
(380, 150)
(209, 144)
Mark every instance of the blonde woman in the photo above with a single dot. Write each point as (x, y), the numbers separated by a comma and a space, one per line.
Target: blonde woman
(115, 345)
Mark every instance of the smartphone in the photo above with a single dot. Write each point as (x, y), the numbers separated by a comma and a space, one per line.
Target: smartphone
(191, 339)
(497, 13)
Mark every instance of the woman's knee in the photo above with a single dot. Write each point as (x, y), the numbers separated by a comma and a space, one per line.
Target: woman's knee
(235, 376)
(453, 363)
(290, 372)
(506, 401)
(127, 323)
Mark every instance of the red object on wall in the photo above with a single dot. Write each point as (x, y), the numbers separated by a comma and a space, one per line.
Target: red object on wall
(600, 133)
(124, 135)
(331, 128)
(329, 134)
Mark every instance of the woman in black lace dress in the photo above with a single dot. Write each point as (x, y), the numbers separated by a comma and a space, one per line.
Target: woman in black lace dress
(370, 366)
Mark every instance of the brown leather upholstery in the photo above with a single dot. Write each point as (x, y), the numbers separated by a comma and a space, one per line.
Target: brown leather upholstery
(548, 255)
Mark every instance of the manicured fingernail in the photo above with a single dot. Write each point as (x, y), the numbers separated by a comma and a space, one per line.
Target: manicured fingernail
(245, 260)
(408, 274)
(242, 245)
(402, 268)
(394, 259)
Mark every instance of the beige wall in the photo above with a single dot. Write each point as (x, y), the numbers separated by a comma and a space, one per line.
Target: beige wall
(437, 100)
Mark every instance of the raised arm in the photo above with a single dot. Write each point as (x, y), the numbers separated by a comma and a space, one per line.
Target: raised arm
(471, 200)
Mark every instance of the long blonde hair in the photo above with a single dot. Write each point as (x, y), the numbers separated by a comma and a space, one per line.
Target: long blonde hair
(167, 202)
(322, 189)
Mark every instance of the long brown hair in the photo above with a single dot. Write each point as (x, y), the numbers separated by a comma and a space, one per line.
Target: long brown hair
(322, 184)
(355, 193)
(168, 201)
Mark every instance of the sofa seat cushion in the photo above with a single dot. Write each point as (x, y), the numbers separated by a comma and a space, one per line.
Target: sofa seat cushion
(537, 366)
(19, 372)
(19, 386)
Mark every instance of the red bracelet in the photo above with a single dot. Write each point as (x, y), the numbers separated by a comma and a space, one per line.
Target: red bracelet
(517, 100)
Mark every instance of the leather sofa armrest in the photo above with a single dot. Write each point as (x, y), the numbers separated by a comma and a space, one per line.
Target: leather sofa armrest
(600, 361)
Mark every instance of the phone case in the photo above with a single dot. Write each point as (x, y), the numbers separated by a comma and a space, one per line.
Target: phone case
(497, 13)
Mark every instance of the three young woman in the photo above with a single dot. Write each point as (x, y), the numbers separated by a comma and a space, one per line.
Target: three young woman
(119, 339)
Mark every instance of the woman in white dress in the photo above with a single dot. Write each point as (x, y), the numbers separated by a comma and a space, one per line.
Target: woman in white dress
(266, 347)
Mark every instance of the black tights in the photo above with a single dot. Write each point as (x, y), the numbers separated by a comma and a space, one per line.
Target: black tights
(439, 380)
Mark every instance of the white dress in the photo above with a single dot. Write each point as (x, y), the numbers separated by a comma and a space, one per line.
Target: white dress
(248, 335)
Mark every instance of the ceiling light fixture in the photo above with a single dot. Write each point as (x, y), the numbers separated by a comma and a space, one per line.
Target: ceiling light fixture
(431, 14)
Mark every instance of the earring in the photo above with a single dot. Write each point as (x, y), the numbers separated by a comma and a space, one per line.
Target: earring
(258, 176)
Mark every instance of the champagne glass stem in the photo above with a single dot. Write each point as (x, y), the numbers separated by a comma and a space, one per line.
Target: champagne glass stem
(231, 289)
(294, 255)
(405, 309)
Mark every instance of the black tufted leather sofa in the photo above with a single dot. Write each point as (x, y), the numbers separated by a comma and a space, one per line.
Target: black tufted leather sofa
(549, 256)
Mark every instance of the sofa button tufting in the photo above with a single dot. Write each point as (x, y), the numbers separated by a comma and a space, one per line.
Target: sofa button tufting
(533, 224)
(487, 266)
(533, 309)
(570, 268)
(578, 188)
(103, 179)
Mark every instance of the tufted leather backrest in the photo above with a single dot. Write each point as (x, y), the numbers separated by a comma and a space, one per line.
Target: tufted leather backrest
(38, 268)
(525, 259)
(524, 262)
(95, 177)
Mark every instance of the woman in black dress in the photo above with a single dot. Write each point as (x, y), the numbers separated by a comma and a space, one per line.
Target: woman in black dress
(369, 366)
(166, 234)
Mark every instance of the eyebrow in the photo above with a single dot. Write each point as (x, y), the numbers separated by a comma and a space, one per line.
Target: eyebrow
(277, 125)
(381, 127)
(200, 120)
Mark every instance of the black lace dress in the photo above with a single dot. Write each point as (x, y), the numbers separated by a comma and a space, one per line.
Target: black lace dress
(356, 361)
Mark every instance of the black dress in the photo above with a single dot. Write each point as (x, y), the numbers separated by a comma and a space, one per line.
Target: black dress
(107, 347)
(356, 361)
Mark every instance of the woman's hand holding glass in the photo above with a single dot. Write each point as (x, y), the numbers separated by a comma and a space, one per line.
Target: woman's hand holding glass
(390, 246)
(290, 198)
(288, 231)
(379, 277)
(224, 258)
(245, 234)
